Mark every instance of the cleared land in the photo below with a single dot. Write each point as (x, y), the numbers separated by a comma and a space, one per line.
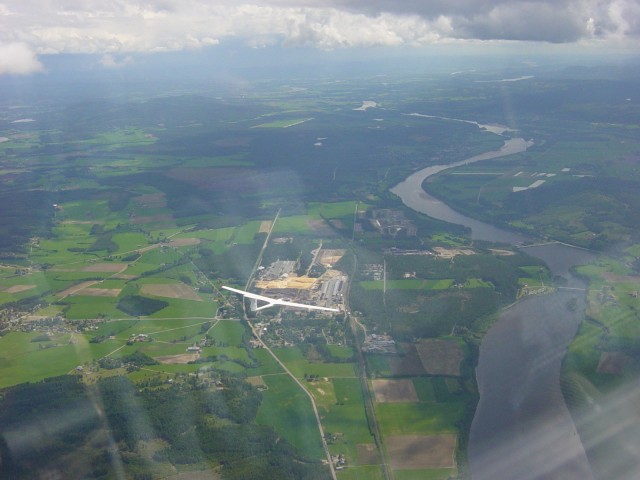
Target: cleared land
(99, 292)
(394, 391)
(19, 288)
(500, 252)
(75, 288)
(329, 257)
(421, 451)
(302, 283)
(265, 226)
(172, 290)
(452, 252)
(177, 359)
(105, 267)
(257, 381)
(440, 357)
(184, 242)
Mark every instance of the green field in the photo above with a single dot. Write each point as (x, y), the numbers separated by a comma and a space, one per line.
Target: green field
(267, 365)
(361, 472)
(286, 407)
(297, 224)
(299, 366)
(335, 210)
(340, 351)
(94, 189)
(378, 365)
(22, 360)
(418, 418)
(349, 424)
(425, 389)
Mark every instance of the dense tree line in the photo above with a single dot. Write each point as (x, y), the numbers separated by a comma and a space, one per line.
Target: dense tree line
(24, 214)
(236, 263)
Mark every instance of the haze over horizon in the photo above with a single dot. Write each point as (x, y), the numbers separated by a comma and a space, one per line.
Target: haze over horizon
(117, 35)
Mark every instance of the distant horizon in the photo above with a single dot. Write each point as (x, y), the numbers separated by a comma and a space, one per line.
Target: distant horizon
(232, 62)
(116, 36)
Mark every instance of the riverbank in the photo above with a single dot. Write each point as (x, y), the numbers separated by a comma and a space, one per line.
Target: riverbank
(412, 194)
(522, 428)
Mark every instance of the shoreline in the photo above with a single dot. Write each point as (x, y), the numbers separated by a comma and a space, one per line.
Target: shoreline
(502, 377)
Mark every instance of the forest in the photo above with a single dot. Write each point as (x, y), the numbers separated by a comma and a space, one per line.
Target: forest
(208, 423)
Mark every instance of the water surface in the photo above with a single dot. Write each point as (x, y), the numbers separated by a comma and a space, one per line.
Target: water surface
(522, 429)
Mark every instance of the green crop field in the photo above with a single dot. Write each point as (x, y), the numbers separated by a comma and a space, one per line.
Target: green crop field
(286, 407)
(347, 390)
(341, 351)
(335, 210)
(245, 234)
(349, 424)
(297, 224)
(152, 326)
(418, 418)
(186, 308)
(267, 364)
(424, 389)
(378, 365)
(22, 360)
(300, 366)
(128, 242)
(361, 472)
(228, 332)
(82, 307)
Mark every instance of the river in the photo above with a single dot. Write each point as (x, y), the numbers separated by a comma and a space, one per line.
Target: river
(522, 428)
(412, 195)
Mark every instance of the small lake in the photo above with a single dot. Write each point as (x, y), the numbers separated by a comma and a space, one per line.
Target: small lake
(522, 428)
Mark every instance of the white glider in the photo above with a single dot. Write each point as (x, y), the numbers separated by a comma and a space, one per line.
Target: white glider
(271, 302)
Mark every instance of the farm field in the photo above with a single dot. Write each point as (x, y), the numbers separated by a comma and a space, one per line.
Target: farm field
(124, 215)
(287, 409)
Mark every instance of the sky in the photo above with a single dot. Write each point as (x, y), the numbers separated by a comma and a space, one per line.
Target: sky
(118, 30)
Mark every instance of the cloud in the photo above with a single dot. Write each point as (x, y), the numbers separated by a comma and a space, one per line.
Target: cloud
(110, 61)
(126, 26)
(526, 21)
(18, 59)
